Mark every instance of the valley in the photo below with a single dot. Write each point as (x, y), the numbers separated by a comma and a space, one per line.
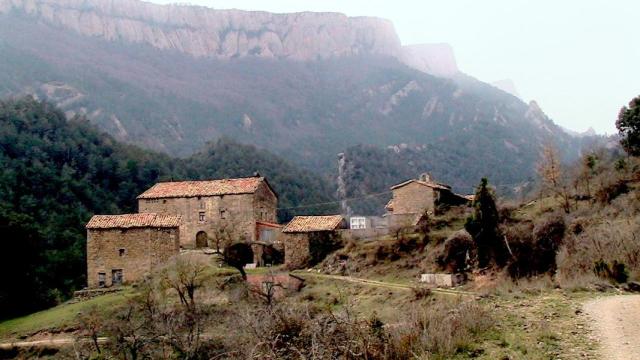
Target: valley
(189, 182)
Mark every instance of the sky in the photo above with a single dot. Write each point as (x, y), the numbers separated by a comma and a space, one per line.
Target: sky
(580, 60)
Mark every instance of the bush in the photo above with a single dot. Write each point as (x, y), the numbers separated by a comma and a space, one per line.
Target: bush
(458, 251)
(616, 272)
(535, 248)
(607, 193)
(421, 292)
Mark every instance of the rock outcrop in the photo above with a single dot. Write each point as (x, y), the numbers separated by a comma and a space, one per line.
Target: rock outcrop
(205, 32)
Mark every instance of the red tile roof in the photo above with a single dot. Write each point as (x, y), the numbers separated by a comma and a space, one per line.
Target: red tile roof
(202, 188)
(313, 224)
(128, 221)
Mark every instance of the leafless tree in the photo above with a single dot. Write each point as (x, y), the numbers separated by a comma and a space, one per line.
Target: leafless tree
(553, 177)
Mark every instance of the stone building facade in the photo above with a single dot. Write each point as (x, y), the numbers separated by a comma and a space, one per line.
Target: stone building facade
(412, 198)
(309, 239)
(214, 213)
(123, 248)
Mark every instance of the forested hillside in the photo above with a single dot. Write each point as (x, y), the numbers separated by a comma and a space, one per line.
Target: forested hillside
(56, 173)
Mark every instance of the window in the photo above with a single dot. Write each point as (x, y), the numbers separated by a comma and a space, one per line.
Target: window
(201, 204)
(358, 223)
(201, 216)
(117, 277)
(121, 252)
(102, 279)
(223, 214)
(267, 235)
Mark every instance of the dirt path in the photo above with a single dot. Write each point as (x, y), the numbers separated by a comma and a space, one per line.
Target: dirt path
(48, 343)
(379, 283)
(617, 323)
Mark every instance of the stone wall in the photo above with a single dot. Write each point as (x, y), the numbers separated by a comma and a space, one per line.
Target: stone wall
(134, 251)
(413, 199)
(227, 218)
(303, 250)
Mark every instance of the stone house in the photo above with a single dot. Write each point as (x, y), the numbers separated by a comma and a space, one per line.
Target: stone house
(123, 248)
(216, 213)
(309, 239)
(413, 197)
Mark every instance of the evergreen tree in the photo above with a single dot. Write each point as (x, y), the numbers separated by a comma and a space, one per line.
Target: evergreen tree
(483, 226)
(628, 125)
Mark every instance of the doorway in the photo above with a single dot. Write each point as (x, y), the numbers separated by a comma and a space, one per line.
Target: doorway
(202, 240)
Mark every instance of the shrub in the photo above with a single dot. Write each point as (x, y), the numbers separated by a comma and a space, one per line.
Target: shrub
(441, 331)
(609, 192)
(616, 271)
(601, 243)
(535, 248)
(458, 251)
(421, 292)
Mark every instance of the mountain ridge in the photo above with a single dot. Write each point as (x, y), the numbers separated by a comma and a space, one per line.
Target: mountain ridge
(206, 32)
(306, 111)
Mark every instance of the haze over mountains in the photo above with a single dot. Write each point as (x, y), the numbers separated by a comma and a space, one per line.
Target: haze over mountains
(306, 86)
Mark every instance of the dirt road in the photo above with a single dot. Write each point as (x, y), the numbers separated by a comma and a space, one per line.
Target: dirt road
(379, 283)
(617, 323)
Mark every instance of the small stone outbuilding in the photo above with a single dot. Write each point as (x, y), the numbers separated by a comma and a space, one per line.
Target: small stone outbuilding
(309, 239)
(124, 248)
(413, 197)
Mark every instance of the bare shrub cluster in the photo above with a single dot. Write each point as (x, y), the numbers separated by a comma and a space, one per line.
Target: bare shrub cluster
(609, 242)
(291, 331)
(168, 319)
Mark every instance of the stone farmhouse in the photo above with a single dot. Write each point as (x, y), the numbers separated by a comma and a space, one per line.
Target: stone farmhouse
(216, 213)
(309, 239)
(123, 248)
(413, 197)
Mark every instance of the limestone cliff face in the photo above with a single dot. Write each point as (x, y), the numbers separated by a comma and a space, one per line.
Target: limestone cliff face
(204, 32)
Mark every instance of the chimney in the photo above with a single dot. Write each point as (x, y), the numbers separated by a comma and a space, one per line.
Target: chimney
(425, 177)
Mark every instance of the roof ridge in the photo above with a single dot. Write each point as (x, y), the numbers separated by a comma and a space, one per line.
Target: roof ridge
(195, 188)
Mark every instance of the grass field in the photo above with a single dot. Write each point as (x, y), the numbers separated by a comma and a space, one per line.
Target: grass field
(59, 317)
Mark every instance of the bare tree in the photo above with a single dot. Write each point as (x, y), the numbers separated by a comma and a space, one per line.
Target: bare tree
(184, 275)
(552, 175)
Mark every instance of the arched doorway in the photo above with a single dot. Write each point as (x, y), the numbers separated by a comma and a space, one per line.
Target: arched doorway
(202, 240)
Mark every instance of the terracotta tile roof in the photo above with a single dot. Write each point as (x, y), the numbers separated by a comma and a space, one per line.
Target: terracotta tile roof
(313, 223)
(430, 184)
(202, 188)
(128, 221)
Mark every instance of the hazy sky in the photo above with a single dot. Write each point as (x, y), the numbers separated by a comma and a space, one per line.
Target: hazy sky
(579, 59)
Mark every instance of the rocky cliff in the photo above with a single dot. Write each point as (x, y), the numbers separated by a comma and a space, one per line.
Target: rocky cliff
(205, 32)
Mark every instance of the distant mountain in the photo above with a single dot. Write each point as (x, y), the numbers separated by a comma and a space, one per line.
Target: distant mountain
(305, 86)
